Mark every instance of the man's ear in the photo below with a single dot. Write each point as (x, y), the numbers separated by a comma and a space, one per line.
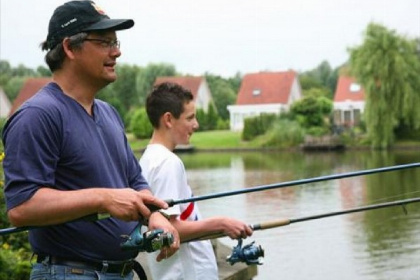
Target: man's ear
(67, 48)
(167, 119)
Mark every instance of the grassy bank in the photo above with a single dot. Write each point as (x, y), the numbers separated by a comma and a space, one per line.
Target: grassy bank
(217, 139)
(225, 139)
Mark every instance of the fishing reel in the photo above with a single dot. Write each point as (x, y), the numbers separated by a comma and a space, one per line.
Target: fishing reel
(148, 241)
(250, 254)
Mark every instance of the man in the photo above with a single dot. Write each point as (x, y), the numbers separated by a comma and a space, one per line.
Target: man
(171, 111)
(67, 157)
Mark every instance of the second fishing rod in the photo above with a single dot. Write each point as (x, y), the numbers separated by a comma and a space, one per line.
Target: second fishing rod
(172, 202)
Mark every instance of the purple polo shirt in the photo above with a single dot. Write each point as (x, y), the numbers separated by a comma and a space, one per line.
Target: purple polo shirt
(52, 141)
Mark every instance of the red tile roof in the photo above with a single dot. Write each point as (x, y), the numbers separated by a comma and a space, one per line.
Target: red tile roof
(189, 82)
(273, 87)
(343, 92)
(29, 88)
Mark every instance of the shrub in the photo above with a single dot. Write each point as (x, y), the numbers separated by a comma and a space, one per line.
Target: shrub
(256, 126)
(140, 125)
(14, 248)
(285, 133)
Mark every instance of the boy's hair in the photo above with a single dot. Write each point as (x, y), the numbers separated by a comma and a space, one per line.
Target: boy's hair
(166, 97)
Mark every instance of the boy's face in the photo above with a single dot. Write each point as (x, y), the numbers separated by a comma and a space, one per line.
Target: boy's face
(185, 126)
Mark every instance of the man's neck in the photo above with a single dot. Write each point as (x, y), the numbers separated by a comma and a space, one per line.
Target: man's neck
(83, 93)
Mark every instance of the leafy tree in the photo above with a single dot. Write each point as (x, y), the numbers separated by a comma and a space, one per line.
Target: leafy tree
(312, 111)
(43, 71)
(147, 76)
(387, 65)
(123, 93)
(23, 71)
(5, 72)
(322, 77)
(13, 86)
(223, 92)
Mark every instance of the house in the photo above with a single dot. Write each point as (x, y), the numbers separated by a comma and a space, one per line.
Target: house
(29, 88)
(5, 104)
(264, 92)
(198, 87)
(349, 102)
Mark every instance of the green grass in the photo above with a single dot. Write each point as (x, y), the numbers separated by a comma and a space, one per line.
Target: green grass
(216, 139)
(226, 139)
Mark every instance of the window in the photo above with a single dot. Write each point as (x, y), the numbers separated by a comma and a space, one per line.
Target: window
(354, 87)
(256, 91)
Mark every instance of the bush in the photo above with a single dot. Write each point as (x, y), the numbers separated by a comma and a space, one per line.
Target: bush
(256, 126)
(14, 248)
(140, 125)
(284, 133)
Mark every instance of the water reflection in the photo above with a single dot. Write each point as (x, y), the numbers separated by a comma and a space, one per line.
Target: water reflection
(378, 244)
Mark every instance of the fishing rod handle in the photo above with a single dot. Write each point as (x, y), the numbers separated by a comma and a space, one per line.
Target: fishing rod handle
(270, 224)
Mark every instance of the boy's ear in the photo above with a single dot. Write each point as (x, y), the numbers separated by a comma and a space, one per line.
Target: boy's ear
(167, 119)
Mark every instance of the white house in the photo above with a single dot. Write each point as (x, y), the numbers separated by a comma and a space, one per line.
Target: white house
(264, 92)
(349, 102)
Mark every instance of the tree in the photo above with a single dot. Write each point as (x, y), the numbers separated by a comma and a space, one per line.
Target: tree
(147, 76)
(312, 111)
(5, 72)
(43, 71)
(322, 77)
(223, 92)
(123, 93)
(388, 67)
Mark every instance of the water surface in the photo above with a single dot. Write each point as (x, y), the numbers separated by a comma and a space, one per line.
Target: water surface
(376, 244)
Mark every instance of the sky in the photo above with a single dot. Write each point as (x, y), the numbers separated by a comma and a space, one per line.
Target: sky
(221, 37)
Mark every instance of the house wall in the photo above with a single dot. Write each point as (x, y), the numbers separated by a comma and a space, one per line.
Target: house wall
(238, 113)
(295, 93)
(5, 104)
(348, 113)
(203, 99)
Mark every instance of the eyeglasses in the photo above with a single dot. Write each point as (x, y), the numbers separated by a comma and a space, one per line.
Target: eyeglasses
(106, 44)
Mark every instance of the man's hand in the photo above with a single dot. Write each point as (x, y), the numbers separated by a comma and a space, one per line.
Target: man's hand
(130, 205)
(158, 221)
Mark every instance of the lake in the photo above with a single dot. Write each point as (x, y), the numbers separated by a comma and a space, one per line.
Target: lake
(375, 244)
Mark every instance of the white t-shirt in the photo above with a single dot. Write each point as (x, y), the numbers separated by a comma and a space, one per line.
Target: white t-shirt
(165, 173)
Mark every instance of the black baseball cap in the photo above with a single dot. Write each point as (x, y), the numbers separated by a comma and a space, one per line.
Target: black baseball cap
(79, 16)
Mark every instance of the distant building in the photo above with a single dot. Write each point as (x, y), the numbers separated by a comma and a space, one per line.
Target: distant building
(198, 87)
(264, 92)
(29, 88)
(5, 104)
(349, 102)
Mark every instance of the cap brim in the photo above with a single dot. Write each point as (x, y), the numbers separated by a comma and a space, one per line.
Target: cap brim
(111, 24)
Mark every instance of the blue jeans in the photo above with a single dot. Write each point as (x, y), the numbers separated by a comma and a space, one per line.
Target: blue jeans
(42, 271)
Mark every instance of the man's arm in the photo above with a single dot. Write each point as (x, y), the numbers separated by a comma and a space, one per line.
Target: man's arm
(49, 206)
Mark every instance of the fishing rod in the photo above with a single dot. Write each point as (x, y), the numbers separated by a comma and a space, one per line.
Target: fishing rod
(252, 254)
(285, 222)
(172, 202)
(155, 239)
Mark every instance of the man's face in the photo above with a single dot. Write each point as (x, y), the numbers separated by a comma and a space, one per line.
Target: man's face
(97, 58)
(185, 125)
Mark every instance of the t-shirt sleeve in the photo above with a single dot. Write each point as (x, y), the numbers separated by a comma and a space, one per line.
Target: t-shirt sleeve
(31, 154)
